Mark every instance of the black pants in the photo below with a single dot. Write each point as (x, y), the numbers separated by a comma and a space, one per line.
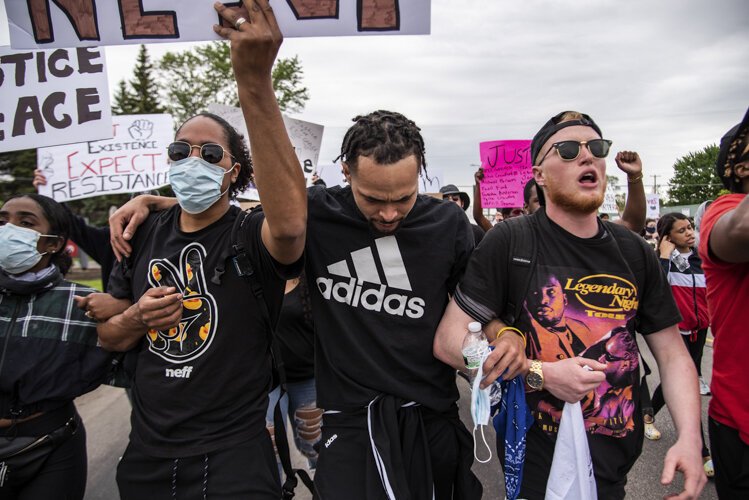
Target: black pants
(248, 470)
(63, 475)
(346, 468)
(731, 460)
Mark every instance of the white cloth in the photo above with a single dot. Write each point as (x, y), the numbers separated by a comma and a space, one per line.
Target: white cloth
(571, 475)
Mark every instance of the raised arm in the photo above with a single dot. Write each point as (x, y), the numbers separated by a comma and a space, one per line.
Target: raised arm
(635, 209)
(278, 174)
(729, 238)
(478, 209)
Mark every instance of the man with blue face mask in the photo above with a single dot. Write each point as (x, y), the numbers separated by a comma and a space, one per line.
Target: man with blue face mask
(204, 367)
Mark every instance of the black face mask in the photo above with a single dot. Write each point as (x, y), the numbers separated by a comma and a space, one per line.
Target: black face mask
(651, 230)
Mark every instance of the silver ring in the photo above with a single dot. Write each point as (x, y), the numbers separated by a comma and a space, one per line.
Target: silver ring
(239, 22)
(89, 315)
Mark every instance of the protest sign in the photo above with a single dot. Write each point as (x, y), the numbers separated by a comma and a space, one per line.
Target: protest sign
(81, 23)
(306, 138)
(53, 97)
(133, 160)
(507, 167)
(609, 202)
(654, 206)
(433, 183)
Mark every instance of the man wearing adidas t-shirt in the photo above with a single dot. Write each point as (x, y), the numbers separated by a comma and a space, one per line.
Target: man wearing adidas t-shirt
(381, 260)
(613, 284)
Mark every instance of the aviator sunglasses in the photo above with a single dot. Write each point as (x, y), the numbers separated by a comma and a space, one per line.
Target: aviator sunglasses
(210, 152)
(569, 150)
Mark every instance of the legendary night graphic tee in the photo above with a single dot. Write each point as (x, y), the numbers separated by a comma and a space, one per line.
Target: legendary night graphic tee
(582, 300)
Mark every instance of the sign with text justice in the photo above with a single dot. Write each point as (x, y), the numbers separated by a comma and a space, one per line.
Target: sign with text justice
(52, 97)
(507, 167)
(80, 23)
(133, 160)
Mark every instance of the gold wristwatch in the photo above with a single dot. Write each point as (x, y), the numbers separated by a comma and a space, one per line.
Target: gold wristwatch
(535, 377)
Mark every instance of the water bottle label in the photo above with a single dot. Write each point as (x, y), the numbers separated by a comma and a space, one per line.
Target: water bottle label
(472, 356)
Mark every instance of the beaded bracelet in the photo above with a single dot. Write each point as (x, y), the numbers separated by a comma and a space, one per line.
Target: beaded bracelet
(508, 329)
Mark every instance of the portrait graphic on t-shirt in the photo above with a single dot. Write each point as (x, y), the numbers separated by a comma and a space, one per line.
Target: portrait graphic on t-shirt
(571, 313)
(195, 332)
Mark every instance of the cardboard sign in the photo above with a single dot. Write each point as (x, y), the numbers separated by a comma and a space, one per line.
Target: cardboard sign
(433, 184)
(306, 137)
(134, 160)
(81, 23)
(654, 206)
(53, 97)
(507, 167)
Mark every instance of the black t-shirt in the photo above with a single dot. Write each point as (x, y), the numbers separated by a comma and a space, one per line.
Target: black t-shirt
(203, 386)
(377, 300)
(582, 300)
(478, 234)
(296, 339)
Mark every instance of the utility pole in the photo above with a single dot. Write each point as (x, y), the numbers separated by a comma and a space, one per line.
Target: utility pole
(655, 184)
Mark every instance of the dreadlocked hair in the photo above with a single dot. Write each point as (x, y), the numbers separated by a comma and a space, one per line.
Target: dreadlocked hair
(237, 148)
(386, 136)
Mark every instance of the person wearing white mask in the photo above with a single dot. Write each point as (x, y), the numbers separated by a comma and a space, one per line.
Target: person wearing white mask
(202, 334)
(48, 353)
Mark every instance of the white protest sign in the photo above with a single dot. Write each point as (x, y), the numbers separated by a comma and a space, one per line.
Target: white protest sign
(306, 138)
(331, 174)
(134, 160)
(53, 97)
(45, 24)
(609, 203)
(654, 206)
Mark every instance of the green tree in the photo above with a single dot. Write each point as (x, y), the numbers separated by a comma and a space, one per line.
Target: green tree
(694, 179)
(141, 94)
(16, 173)
(192, 79)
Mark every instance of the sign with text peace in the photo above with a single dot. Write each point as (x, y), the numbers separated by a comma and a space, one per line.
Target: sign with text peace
(52, 97)
(133, 160)
(507, 167)
(80, 23)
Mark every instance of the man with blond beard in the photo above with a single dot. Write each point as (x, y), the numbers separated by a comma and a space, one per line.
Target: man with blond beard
(613, 283)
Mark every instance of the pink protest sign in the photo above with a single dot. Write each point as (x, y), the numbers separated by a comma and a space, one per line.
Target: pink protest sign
(507, 167)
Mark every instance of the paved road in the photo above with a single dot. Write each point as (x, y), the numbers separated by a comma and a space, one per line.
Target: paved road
(106, 415)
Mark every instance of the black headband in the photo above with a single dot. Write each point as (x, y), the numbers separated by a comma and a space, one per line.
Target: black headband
(553, 126)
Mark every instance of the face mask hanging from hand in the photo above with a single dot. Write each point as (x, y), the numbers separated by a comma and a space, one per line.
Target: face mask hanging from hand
(18, 251)
(480, 408)
(197, 183)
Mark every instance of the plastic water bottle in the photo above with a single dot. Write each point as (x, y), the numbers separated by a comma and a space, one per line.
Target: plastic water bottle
(475, 345)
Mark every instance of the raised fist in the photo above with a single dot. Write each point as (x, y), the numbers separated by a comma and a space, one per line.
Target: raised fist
(141, 129)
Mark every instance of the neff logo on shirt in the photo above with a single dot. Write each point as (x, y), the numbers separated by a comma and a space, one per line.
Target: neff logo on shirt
(365, 289)
(183, 372)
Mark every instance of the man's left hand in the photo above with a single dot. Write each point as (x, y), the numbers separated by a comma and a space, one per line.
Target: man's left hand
(685, 458)
(629, 162)
(507, 360)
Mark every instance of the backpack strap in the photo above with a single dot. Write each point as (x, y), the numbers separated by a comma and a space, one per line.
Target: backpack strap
(520, 265)
(632, 252)
(245, 270)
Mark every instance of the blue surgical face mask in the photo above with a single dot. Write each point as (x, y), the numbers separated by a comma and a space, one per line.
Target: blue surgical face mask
(480, 408)
(197, 183)
(18, 251)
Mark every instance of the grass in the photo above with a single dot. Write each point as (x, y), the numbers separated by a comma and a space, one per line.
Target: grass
(92, 283)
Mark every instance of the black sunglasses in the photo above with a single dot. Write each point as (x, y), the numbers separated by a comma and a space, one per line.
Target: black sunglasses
(569, 150)
(210, 152)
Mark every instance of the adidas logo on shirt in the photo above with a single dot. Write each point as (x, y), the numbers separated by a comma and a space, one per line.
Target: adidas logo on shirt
(366, 289)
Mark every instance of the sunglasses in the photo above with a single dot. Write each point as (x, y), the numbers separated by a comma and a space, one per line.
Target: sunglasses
(453, 197)
(210, 152)
(569, 150)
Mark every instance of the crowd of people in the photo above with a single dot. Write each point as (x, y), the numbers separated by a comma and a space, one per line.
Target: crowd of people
(351, 304)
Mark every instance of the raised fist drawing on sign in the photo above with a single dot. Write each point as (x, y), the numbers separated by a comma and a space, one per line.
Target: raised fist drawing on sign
(194, 333)
(141, 130)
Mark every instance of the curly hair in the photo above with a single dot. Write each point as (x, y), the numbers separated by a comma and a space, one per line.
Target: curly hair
(59, 225)
(386, 136)
(237, 148)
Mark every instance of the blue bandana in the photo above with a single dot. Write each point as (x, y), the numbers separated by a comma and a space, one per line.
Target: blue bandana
(511, 423)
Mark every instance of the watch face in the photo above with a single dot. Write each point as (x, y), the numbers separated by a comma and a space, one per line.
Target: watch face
(535, 381)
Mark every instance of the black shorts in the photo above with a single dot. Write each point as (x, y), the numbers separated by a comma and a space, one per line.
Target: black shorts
(247, 470)
(731, 459)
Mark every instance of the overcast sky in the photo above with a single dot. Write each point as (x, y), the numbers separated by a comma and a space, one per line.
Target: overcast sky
(662, 77)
